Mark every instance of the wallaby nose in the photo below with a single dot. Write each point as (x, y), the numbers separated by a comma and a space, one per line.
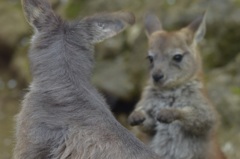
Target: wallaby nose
(157, 77)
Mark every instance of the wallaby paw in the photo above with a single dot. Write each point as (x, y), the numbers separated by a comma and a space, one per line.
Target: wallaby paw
(136, 118)
(167, 116)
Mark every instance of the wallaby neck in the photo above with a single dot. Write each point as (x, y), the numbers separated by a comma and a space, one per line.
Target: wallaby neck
(62, 69)
(193, 84)
(61, 65)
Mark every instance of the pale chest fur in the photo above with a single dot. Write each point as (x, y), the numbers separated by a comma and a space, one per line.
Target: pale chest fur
(173, 98)
(170, 140)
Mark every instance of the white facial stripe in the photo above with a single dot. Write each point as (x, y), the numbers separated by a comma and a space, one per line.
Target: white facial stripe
(178, 51)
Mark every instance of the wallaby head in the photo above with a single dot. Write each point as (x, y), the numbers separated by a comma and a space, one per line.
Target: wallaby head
(173, 55)
(57, 38)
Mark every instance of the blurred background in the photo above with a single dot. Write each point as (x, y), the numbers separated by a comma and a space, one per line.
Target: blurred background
(121, 67)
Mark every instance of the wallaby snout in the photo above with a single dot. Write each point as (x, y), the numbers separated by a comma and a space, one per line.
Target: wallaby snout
(158, 77)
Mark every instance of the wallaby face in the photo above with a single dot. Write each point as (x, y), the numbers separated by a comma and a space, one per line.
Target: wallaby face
(63, 116)
(172, 55)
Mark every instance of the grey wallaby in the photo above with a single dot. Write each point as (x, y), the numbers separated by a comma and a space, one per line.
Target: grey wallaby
(63, 116)
(174, 110)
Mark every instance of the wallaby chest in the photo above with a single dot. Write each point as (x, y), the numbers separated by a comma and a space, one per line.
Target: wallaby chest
(175, 98)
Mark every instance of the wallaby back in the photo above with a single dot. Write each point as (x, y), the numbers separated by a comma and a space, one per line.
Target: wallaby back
(63, 116)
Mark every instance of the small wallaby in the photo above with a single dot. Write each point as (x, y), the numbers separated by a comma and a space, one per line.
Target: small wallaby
(63, 116)
(174, 111)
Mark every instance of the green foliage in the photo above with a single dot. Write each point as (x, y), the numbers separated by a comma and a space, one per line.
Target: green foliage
(236, 90)
(226, 36)
(73, 8)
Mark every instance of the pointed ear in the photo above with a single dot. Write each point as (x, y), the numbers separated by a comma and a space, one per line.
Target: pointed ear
(152, 23)
(107, 25)
(197, 28)
(39, 14)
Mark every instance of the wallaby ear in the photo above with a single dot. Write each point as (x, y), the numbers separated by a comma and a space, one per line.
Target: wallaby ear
(152, 23)
(106, 25)
(39, 13)
(198, 28)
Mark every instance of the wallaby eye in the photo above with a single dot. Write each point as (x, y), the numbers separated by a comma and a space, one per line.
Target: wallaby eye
(178, 57)
(150, 58)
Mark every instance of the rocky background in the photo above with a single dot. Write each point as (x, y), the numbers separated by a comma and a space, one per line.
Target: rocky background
(121, 67)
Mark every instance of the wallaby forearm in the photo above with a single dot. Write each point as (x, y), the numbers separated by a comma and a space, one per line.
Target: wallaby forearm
(196, 120)
(142, 116)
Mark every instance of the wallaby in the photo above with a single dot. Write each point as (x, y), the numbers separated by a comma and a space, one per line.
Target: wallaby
(174, 111)
(63, 116)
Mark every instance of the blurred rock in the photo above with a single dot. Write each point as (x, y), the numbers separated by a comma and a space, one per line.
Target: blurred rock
(224, 90)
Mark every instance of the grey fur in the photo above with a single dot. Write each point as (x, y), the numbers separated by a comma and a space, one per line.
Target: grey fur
(63, 116)
(186, 138)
